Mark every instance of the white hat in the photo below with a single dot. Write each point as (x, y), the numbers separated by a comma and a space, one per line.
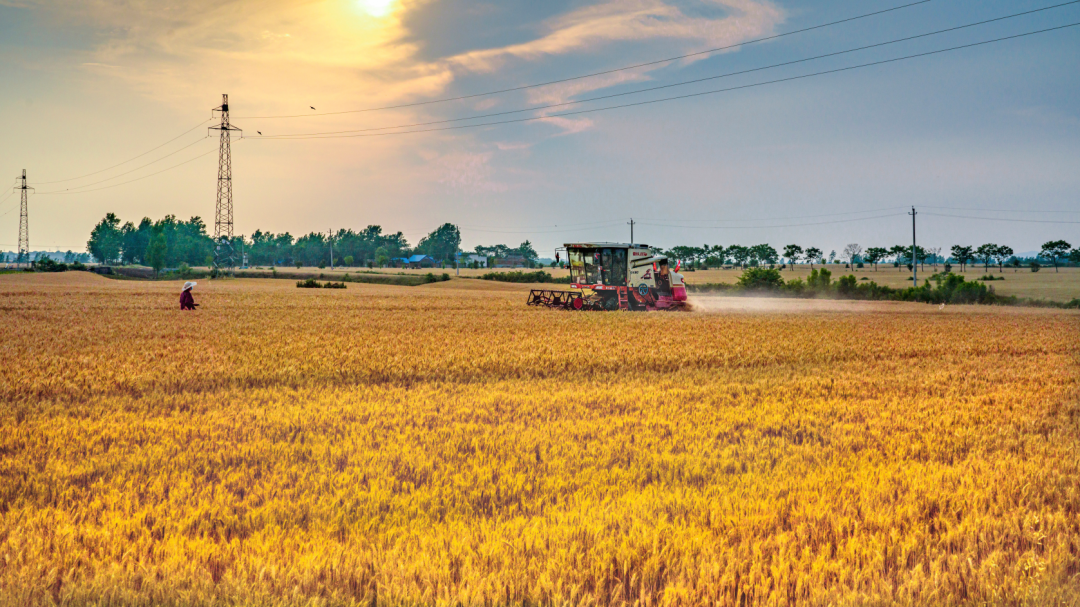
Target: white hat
(188, 285)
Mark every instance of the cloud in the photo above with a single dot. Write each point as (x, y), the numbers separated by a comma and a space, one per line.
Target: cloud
(564, 91)
(588, 29)
(280, 54)
(631, 20)
(569, 126)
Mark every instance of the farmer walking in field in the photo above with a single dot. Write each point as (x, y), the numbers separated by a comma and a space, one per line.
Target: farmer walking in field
(187, 302)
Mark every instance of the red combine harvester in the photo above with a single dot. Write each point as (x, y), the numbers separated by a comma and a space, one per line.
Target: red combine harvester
(613, 276)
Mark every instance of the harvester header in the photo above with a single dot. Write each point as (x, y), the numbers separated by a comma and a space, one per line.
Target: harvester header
(616, 276)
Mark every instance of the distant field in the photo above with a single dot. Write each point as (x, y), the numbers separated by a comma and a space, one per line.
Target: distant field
(446, 445)
(1063, 285)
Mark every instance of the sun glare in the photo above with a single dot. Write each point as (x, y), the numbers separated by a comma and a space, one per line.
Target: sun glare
(377, 8)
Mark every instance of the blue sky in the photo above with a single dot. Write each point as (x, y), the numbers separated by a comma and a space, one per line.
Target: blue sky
(997, 127)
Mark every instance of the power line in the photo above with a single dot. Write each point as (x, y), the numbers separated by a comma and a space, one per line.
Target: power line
(128, 172)
(1001, 218)
(8, 244)
(558, 231)
(878, 210)
(998, 210)
(602, 73)
(129, 159)
(130, 180)
(566, 225)
(688, 95)
(792, 225)
(10, 192)
(685, 82)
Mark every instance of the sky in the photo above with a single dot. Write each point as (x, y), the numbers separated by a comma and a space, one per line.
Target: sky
(983, 141)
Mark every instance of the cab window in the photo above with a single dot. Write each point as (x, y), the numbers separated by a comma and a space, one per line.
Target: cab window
(613, 266)
(592, 266)
(618, 267)
(577, 265)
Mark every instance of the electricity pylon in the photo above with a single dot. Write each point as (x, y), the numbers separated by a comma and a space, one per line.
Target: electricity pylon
(223, 213)
(24, 226)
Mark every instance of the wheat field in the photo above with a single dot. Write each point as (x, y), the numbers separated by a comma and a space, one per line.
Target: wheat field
(447, 445)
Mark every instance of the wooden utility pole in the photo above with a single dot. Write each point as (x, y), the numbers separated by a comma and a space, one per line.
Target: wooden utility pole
(914, 251)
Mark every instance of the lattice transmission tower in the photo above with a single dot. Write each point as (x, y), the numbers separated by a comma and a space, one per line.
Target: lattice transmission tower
(223, 214)
(24, 225)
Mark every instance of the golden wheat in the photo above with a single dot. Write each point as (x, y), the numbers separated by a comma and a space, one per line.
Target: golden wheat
(444, 446)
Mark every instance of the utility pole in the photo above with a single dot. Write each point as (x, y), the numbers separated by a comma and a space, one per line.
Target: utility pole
(24, 227)
(331, 233)
(223, 213)
(631, 230)
(914, 251)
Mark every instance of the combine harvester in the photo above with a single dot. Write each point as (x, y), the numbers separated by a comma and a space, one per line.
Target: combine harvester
(613, 276)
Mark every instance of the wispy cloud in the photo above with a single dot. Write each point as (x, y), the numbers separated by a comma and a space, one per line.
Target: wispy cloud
(588, 29)
(282, 53)
(569, 126)
(622, 20)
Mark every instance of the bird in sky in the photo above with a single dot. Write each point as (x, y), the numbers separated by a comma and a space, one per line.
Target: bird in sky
(259, 132)
(311, 106)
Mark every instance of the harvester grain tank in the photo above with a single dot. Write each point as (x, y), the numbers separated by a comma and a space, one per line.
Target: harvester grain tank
(616, 276)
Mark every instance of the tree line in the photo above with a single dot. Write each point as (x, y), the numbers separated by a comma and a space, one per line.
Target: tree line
(1054, 252)
(168, 243)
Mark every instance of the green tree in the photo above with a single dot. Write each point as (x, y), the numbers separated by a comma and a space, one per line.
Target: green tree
(158, 251)
(685, 253)
(962, 255)
(921, 255)
(761, 279)
(876, 254)
(793, 252)
(715, 256)
(901, 253)
(382, 257)
(764, 254)
(134, 241)
(1055, 250)
(527, 251)
(105, 240)
(739, 254)
(1001, 254)
(812, 254)
(442, 244)
(985, 254)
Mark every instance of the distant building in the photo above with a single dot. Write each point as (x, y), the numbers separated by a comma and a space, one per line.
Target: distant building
(421, 261)
(511, 261)
(467, 260)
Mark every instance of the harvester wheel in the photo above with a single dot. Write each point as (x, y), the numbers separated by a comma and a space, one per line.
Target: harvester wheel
(577, 303)
(611, 304)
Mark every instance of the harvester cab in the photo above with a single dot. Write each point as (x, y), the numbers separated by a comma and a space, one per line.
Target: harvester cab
(614, 276)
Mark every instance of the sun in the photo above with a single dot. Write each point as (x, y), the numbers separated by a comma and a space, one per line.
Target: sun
(377, 8)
